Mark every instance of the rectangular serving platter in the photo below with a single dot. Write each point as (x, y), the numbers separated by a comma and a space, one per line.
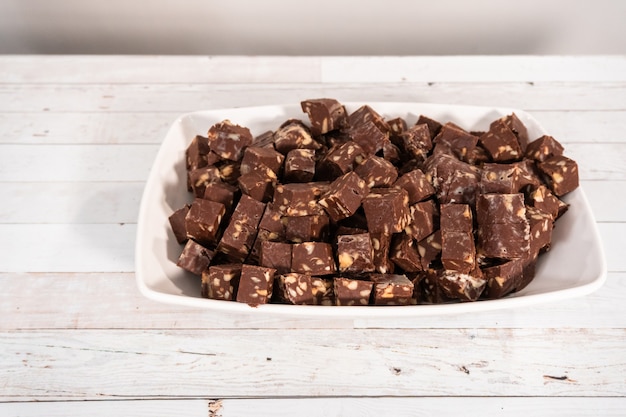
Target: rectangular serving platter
(575, 266)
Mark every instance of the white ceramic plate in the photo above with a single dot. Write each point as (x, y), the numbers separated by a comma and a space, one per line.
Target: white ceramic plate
(575, 265)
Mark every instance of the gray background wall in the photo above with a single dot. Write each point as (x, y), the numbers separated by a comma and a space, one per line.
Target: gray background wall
(313, 27)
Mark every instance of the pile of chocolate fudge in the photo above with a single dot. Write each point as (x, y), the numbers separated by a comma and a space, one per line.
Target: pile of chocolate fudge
(355, 209)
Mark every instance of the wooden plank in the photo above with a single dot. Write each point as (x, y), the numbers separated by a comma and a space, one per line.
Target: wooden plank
(112, 301)
(159, 69)
(68, 163)
(70, 202)
(184, 98)
(67, 247)
(101, 127)
(255, 69)
(481, 69)
(604, 205)
(327, 406)
(108, 364)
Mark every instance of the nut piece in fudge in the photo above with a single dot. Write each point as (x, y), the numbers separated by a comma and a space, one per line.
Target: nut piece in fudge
(229, 140)
(339, 160)
(416, 184)
(344, 196)
(306, 228)
(276, 255)
(392, 289)
(424, 219)
(377, 172)
(220, 282)
(323, 294)
(255, 285)
(177, 223)
(396, 126)
(387, 210)
(501, 143)
(561, 174)
(325, 114)
(260, 158)
(239, 236)
(352, 292)
(202, 221)
(293, 134)
(543, 148)
(299, 165)
(313, 258)
(194, 258)
(403, 253)
(355, 253)
(297, 199)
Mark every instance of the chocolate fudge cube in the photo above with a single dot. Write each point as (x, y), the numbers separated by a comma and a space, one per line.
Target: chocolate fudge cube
(293, 134)
(433, 126)
(229, 140)
(325, 114)
(306, 228)
(202, 221)
(392, 289)
(396, 126)
(229, 171)
(502, 278)
(196, 153)
(297, 199)
(561, 174)
(458, 140)
(260, 158)
(340, 160)
(416, 184)
(380, 244)
(432, 289)
(200, 178)
(177, 223)
(259, 183)
(323, 293)
(276, 255)
(344, 196)
(403, 253)
(501, 143)
(540, 224)
(355, 253)
(300, 165)
(417, 142)
(529, 264)
(392, 153)
(369, 136)
(313, 258)
(264, 140)
(377, 172)
(503, 240)
(221, 192)
(255, 285)
(366, 114)
(465, 286)
(456, 218)
(543, 148)
(352, 292)
(220, 282)
(387, 210)
(517, 127)
(296, 288)
(543, 199)
(458, 252)
(424, 218)
(271, 221)
(500, 208)
(240, 234)
(429, 249)
(195, 258)
(454, 181)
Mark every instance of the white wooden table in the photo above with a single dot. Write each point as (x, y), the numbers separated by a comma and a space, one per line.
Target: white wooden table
(77, 138)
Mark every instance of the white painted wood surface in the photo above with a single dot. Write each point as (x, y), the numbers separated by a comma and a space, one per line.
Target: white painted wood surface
(77, 139)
